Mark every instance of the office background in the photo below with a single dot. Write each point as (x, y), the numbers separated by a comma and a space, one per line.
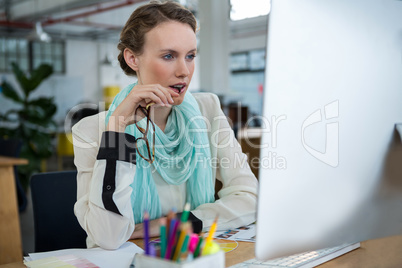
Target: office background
(82, 51)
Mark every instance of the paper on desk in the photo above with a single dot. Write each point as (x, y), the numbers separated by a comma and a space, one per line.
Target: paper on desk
(61, 261)
(244, 233)
(120, 257)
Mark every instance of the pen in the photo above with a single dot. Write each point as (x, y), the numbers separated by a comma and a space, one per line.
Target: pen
(146, 232)
(132, 264)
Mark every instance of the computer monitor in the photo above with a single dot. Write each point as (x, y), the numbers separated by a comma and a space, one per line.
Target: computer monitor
(331, 162)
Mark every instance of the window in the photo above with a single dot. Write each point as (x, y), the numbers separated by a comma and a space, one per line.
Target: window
(250, 61)
(241, 9)
(29, 55)
(247, 78)
(13, 50)
(50, 53)
(239, 61)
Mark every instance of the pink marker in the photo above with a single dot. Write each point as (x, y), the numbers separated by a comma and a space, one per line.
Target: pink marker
(193, 243)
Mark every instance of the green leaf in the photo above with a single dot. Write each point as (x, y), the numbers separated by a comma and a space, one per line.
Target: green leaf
(46, 105)
(10, 92)
(37, 76)
(34, 119)
(40, 74)
(40, 144)
(34, 116)
(21, 78)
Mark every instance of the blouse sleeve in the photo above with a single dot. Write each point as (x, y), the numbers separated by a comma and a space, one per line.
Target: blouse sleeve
(103, 206)
(237, 201)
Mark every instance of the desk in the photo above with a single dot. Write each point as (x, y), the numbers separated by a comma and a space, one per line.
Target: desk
(10, 232)
(384, 252)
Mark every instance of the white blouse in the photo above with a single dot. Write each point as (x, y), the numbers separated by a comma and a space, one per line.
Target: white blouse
(236, 205)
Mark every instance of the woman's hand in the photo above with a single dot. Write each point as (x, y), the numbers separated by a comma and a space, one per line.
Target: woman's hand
(139, 95)
(154, 229)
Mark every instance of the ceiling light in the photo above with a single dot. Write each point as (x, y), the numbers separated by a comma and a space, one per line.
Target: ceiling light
(38, 34)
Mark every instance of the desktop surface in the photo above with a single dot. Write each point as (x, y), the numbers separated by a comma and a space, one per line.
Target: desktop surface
(383, 252)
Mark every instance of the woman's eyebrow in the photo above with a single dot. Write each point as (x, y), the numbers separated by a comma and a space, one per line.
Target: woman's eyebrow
(174, 51)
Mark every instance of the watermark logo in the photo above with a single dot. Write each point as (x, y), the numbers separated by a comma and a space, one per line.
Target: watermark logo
(331, 154)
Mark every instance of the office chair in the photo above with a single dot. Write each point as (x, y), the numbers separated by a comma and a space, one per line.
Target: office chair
(53, 197)
(12, 148)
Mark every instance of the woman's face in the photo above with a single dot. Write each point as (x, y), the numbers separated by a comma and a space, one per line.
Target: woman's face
(168, 57)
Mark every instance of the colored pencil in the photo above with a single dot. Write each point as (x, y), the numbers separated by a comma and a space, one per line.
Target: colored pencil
(171, 227)
(152, 250)
(197, 251)
(192, 244)
(183, 232)
(171, 215)
(186, 213)
(163, 237)
(212, 230)
(146, 232)
(184, 247)
(171, 240)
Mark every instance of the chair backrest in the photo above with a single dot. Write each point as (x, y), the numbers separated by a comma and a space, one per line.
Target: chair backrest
(53, 197)
(10, 147)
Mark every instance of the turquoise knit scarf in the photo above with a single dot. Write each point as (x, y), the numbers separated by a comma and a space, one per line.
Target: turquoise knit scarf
(182, 155)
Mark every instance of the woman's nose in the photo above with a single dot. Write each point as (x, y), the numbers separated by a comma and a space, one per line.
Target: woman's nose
(182, 69)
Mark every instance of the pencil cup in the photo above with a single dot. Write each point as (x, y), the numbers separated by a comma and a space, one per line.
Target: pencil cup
(216, 260)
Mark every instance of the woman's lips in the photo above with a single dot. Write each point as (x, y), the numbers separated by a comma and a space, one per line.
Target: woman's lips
(178, 90)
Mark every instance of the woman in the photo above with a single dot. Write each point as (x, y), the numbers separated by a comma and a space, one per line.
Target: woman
(136, 168)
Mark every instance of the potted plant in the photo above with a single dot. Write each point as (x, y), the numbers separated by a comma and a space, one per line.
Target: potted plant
(31, 121)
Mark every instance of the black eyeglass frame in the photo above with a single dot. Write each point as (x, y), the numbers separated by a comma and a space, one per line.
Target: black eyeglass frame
(147, 112)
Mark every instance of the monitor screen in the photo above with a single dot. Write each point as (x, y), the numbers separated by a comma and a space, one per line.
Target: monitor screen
(331, 157)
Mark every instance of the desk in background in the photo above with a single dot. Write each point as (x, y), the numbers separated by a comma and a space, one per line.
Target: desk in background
(250, 142)
(10, 230)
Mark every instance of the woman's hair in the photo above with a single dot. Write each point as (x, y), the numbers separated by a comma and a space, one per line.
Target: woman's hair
(144, 19)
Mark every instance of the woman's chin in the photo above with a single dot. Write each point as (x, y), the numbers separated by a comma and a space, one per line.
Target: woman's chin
(178, 101)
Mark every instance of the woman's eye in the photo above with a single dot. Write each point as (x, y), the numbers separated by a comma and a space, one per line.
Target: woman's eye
(190, 57)
(168, 57)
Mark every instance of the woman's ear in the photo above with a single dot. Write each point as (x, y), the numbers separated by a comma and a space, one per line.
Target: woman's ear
(131, 59)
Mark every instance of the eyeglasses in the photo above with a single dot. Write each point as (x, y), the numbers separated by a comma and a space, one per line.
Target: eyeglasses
(150, 152)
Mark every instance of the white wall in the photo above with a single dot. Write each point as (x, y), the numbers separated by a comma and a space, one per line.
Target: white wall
(248, 34)
(82, 63)
(213, 45)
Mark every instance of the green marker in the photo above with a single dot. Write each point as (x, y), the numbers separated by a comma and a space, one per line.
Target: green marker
(163, 236)
(186, 213)
(198, 248)
(184, 247)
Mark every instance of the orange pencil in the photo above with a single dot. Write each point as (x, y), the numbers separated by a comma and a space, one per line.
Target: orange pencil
(184, 228)
(212, 230)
